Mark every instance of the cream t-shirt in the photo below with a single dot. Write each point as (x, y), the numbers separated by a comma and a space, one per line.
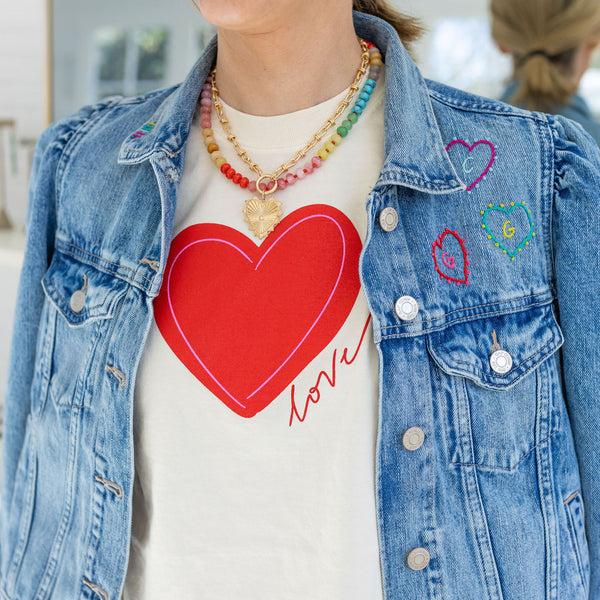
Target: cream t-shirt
(256, 401)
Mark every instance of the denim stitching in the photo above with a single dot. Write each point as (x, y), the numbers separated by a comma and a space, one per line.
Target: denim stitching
(508, 469)
(438, 328)
(474, 372)
(481, 306)
(104, 260)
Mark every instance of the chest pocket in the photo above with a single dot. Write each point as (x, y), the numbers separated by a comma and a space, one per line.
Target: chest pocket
(78, 316)
(499, 385)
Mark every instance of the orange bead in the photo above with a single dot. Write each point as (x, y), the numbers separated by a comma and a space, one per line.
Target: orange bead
(213, 147)
(207, 132)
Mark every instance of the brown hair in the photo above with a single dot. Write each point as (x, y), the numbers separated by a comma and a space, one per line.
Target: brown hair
(409, 29)
(543, 36)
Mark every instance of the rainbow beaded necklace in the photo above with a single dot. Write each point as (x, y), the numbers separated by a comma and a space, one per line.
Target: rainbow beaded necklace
(263, 214)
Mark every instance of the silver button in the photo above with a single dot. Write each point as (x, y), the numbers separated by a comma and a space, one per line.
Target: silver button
(413, 438)
(77, 301)
(407, 308)
(388, 219)
(418, 559)
(501, 362)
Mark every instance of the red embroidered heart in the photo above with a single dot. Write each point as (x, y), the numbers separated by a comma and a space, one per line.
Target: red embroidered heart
(447, 259)
(246, 319)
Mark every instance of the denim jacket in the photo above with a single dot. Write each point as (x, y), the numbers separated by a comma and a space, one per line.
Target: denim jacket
(481, 272)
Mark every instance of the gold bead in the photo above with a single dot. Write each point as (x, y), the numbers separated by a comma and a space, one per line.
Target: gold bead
(213, 147)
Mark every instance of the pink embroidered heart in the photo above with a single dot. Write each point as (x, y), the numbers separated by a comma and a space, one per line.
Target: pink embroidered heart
(246, 319)
(475, 162)
(451, 260)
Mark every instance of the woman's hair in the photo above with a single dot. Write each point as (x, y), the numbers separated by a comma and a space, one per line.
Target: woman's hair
(543, 36)
(409, 29)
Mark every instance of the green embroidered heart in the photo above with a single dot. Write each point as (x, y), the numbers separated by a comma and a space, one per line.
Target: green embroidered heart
(511, 229)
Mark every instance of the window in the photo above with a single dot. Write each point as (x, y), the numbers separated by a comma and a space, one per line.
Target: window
(129, 61)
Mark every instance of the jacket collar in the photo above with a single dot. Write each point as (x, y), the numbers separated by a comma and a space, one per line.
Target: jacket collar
(414, 149)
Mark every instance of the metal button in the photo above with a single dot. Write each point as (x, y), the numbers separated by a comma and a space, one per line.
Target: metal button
(501, 362)
(407, 308)
(388, 219)
(418, 559)
(413, 438)
(77, 301)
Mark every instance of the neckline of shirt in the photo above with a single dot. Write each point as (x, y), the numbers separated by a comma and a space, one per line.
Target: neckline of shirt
(291, 130)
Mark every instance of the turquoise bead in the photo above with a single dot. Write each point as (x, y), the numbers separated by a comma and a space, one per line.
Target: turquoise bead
(371, 82)
(368, 89)
(364, 96)
(357, 109)
(361, 103)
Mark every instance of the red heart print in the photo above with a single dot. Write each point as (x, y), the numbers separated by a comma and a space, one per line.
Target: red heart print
(447, 259)
(467, 171)
(246, 319)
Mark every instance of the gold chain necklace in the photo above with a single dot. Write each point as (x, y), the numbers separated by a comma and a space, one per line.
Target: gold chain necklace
(263, 214)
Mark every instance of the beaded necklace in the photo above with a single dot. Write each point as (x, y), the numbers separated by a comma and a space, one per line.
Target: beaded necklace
(263, 214)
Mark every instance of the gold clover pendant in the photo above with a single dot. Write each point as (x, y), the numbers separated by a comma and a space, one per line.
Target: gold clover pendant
(262, 215)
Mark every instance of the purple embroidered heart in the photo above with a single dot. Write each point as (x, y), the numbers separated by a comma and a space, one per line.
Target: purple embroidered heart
(450, 258)
(476, 160)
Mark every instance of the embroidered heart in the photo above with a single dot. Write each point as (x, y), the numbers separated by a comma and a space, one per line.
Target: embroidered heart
(246, 319)
(475, 160)
(450, 258)
(511, 229)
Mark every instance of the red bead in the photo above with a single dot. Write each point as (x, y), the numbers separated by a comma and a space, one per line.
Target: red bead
(237, 178)
(244, 181)
(230, 173)
(270, 185)
(225, 168)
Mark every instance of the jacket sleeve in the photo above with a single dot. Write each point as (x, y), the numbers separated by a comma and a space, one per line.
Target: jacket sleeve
(49, 158)
(576, 227)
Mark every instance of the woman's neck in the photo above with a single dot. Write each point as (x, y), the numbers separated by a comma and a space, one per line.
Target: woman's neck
(288, 66)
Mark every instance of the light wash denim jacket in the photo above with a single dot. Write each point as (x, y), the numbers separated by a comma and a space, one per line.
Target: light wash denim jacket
(494, 353)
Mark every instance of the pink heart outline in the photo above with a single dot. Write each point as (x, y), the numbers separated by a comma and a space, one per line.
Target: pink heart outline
(470, 149)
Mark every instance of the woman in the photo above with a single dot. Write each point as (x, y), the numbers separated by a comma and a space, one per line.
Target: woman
(335, 354)
(552, 43)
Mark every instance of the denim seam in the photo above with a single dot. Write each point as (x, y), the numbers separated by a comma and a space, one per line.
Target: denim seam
(551, 299)
(510, 373)
(574, 538)
(508, 469)
(104, 260)
(438, 328)
(61, 534)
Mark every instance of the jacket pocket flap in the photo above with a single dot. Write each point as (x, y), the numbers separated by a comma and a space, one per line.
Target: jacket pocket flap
(466, 349)
(81, 292)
